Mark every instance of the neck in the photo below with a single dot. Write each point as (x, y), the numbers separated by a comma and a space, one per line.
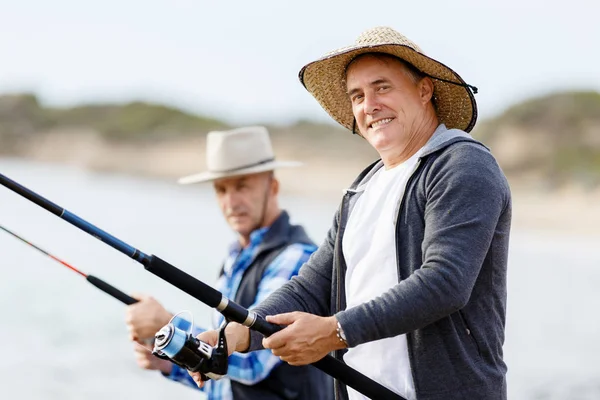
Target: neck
(416, 139)
(244, 241)
(268, 220)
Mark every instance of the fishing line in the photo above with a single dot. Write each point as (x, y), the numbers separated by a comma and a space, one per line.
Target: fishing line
(191, 323)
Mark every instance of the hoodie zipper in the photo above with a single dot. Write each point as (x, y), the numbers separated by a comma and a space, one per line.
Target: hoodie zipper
(397, 233)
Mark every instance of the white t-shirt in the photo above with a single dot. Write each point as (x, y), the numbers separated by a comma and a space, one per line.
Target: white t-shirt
(369, 247)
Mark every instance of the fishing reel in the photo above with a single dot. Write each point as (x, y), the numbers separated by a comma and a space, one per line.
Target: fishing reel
(184, 350)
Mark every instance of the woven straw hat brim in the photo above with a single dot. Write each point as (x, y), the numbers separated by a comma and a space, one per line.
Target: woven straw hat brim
(325, 80)
(210, 176)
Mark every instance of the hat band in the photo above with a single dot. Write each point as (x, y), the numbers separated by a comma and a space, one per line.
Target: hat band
(465, 85)
(268, 160)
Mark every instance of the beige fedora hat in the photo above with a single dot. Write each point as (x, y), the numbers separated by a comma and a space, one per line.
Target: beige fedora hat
(324, 79)
(237, 152)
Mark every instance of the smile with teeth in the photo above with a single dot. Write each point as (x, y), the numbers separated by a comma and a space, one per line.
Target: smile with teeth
(381, 122)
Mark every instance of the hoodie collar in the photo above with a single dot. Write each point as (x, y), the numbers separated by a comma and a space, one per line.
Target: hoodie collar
(441, 138)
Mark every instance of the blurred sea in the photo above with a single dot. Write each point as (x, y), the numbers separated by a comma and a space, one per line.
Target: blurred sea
(64, 339)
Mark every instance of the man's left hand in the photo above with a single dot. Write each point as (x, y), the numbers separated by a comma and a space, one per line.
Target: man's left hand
(306, 338)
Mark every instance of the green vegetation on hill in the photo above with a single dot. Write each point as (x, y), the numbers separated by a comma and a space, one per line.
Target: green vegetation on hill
(21, 114)
(555, 138)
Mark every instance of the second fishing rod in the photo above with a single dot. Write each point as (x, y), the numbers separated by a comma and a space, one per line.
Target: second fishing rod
(99, 283)
(206, 294)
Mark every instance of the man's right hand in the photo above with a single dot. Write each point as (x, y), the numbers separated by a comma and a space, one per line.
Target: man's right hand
(237, 337)
(145, 318)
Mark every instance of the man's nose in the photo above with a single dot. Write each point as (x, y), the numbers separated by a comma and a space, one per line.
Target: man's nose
(371, 104)
(232, 199)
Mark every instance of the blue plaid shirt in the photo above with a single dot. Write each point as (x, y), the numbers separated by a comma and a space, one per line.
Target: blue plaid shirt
(246, 368)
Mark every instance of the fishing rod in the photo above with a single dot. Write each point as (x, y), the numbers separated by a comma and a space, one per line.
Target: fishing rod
(99, 283)
(204, 293)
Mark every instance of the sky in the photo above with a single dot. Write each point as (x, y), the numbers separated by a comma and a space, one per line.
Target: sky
(239, 60)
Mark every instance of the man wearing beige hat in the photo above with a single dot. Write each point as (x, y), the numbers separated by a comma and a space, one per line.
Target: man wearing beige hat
(409, 287)
(268, 253)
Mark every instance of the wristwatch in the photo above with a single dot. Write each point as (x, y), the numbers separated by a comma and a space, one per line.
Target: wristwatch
(340, 334)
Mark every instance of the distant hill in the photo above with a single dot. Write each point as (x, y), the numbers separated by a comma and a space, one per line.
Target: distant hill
(22, 115)
(549, 141)
(543, 143)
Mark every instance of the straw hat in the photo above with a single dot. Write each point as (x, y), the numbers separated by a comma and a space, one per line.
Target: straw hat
(241, 151)
(324, 79)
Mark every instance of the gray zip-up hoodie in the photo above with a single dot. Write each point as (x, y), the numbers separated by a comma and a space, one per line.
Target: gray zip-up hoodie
(452, 234)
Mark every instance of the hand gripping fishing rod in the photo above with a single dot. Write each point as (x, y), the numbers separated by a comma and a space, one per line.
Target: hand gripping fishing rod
(99, 283)
(206, 294)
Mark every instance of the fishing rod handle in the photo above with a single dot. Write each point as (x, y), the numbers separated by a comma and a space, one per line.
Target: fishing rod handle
(183, 281)
(111, 290)
(334, 367)
(209, 296)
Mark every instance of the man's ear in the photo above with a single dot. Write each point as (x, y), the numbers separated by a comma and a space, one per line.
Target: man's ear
(274, 185)
(426, 89)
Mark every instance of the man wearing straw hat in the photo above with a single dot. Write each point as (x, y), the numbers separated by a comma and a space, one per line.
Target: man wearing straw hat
(270, 250)
(409, 286)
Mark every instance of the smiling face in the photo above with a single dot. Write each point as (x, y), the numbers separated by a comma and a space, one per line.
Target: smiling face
(391, 105)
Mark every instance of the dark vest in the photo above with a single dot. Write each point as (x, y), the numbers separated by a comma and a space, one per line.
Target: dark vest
(285, 382)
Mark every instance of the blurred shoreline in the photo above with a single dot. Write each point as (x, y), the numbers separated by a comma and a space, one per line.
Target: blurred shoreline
(568, 210)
